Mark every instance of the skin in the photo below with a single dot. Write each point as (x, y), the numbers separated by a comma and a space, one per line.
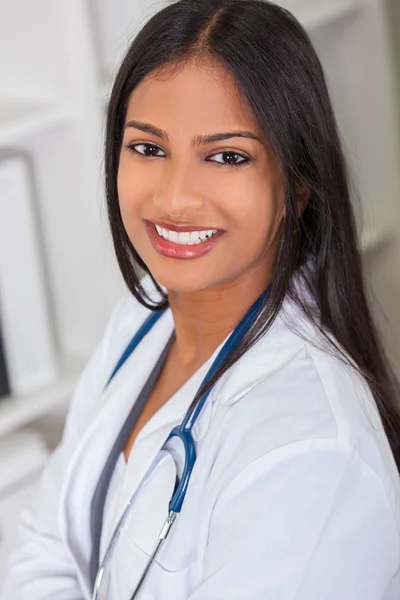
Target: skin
(178, 182)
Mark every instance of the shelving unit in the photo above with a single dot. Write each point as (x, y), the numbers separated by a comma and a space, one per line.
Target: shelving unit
(20, 118)
(52, 107)
(49, 110)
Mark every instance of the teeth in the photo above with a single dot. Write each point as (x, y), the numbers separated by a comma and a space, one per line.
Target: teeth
(185, 238)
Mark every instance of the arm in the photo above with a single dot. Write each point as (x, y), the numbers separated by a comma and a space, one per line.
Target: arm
(309, 521)
(42, 567)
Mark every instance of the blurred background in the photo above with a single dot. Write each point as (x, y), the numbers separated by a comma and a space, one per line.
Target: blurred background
(58, 276)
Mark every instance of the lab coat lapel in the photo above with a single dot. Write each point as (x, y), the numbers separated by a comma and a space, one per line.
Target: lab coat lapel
(268, 354)
(91, 454)
(143, 457)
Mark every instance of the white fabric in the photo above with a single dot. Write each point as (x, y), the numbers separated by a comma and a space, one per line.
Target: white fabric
(295, 494)
(123, 468)
(111, 501)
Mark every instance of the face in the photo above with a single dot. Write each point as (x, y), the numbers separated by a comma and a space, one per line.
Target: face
(171, 176)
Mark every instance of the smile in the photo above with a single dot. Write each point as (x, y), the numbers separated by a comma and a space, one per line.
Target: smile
(185, 238)
(182, 244)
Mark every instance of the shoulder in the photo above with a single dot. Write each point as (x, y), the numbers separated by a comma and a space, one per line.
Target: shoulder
(304, 401)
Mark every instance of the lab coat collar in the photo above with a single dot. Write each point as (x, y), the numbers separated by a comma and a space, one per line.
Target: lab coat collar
(287, 335)
(284, 339)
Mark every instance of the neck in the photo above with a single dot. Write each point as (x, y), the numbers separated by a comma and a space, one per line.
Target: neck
(203, 319)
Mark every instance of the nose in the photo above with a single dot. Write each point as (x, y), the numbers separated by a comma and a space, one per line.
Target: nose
(178, 195)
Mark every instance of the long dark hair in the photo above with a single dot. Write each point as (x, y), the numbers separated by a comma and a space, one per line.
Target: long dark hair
(277, 69)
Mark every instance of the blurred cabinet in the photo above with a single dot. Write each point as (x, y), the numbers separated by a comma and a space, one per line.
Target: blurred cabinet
(50, 110)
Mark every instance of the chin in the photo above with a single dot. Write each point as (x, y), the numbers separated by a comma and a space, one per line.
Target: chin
(179, 282)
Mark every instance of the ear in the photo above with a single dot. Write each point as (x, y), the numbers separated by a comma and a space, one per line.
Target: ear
(302, 196)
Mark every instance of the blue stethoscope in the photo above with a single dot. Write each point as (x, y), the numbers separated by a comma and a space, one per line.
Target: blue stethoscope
(183, 432)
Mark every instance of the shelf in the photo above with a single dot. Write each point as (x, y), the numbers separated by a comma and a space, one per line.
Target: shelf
(19, 118)
(18, 411)
(318, 13)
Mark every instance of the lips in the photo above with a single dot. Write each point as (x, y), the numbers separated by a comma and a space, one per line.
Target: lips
(172, 250)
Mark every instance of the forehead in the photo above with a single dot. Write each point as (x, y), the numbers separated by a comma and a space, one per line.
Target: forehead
(202, 96)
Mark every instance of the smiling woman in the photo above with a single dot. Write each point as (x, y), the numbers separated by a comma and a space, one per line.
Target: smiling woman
(240, 402)
(200, 170)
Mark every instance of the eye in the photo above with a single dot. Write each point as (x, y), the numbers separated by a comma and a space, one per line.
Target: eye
(231, 158)
(149, 149)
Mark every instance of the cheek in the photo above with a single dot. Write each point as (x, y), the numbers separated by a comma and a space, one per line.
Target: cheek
(130, 192)
(123, 187)
(257, 219)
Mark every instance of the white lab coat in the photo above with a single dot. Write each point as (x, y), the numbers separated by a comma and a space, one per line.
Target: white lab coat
(295, 494)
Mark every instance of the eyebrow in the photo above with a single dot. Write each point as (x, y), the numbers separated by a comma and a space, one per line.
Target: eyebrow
(198, 140)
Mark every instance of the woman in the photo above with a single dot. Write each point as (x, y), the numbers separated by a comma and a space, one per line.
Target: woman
(226, 183)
